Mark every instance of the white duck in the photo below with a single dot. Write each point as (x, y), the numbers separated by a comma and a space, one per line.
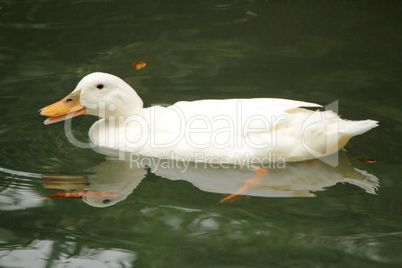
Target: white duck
(235, 131)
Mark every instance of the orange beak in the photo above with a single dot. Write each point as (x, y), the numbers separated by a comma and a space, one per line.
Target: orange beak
(66, 108)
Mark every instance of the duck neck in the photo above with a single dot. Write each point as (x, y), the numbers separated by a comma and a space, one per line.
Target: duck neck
(132, 106)
(125, 106)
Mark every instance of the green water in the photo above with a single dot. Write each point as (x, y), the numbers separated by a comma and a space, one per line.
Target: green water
(317, 51)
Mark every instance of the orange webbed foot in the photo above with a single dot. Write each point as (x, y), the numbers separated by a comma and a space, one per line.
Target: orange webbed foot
(259, 174)
(81, 194)
(313, 162)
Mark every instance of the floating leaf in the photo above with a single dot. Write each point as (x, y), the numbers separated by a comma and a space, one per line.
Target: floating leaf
(139, 65)
(368, 160)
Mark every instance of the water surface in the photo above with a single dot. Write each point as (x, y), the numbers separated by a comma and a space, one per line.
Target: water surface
(314, 51)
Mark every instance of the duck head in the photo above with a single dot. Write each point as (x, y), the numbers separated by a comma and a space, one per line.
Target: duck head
(98, 94)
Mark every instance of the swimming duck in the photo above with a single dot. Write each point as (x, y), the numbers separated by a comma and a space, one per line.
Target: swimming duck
(234, 131)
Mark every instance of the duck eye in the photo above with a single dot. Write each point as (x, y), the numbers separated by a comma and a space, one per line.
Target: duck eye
(100, 86)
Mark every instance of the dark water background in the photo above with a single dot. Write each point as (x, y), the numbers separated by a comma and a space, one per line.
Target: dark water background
(317, 51)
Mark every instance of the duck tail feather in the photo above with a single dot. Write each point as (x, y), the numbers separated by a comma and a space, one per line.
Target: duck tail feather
(359, 127)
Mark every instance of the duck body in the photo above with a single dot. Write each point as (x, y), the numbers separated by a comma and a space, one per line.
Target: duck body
(233, 131)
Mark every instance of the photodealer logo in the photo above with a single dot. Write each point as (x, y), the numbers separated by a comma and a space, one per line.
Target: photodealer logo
(181, 163)
(320, 134)
(166, 128)
(162, 130)
(69, 133)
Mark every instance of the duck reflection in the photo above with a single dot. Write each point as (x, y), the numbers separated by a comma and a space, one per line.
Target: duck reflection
(112, 181)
